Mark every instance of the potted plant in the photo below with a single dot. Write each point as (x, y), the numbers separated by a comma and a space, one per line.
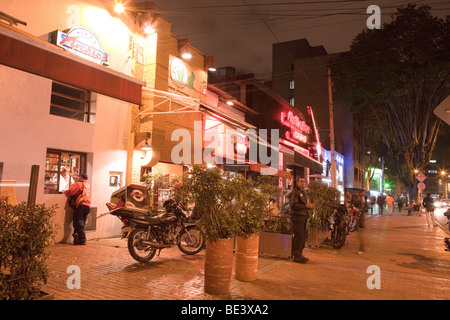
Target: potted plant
(250, 205)
(26, 232)
(212, 194)
(324, 199)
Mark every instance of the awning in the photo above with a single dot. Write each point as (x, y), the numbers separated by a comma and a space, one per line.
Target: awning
(280, 173)
(182, 104)
(224, 117)
(308, 162)
(20, 50)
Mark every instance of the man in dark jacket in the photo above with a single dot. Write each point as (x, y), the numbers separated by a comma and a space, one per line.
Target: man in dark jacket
(300, 211)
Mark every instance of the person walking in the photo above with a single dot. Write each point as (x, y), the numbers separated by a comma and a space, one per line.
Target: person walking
(300, 206)
(390, 204)
(82, 190)
(381, 203)
(428, 204)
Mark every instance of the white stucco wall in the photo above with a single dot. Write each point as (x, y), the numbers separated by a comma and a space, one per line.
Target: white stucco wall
(27, 130)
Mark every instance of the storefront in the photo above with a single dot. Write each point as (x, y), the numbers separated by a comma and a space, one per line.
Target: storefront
(65, 106)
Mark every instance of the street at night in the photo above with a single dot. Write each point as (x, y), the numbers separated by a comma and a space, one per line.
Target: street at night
(412, 261)
(205, 152)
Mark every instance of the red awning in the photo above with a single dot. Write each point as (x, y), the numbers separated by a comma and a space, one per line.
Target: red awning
(20, 50)
(257, 168)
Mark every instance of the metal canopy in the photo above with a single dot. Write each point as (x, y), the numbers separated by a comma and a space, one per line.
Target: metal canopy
(182, 104)
(185, 104)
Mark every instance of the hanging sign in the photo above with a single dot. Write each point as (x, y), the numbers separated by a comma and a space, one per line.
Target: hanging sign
(83, 43)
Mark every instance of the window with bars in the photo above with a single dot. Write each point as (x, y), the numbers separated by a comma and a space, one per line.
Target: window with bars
(72, 103)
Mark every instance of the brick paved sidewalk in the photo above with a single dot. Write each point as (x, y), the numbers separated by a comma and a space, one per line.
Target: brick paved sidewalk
(410, 256)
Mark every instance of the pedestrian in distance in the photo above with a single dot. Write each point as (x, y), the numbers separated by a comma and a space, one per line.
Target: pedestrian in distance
(82, 190)
(428, 204)
(390, 204)
(299, 206)
(381, 203)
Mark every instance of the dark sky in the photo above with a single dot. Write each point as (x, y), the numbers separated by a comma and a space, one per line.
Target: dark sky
(240, 33)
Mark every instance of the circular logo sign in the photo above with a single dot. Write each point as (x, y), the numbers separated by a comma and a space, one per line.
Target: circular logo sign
(178, 72)
(84, 43)
(138, 195)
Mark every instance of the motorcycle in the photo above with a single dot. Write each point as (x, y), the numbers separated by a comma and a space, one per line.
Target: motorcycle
(338, 226)
(353, 223)
(147, 234)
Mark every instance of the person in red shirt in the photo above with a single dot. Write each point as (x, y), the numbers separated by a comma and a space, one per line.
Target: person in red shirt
(82, 190)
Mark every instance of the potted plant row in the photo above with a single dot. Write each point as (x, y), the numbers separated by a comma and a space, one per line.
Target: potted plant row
(228, 206)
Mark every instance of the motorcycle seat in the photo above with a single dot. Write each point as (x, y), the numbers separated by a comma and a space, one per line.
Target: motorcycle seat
(160, 218)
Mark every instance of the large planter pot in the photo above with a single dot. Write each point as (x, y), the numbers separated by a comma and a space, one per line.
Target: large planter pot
(218, 266)
(275, 244)
(313, 237)
(247, 252)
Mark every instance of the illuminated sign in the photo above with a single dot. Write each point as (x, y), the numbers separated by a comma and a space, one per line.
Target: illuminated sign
(84, 43)
(298, 129)
(178, 72)
(241, 143)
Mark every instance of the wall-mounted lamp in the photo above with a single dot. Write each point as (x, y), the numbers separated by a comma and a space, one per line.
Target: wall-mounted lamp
(186, 54)
(209, 63)
(142, 13)
(146, 146)
(183, 48)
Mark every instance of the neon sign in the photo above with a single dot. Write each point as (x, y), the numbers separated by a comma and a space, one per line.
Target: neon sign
(242, 143)
(299, 130)
(84, 43)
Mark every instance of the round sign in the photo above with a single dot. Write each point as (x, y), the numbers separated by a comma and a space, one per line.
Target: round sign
(178, 72)
(421, 186)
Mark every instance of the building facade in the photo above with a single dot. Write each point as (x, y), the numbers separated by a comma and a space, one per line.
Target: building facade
(300, 75)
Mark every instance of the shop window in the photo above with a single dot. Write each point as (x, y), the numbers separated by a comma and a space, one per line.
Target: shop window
(72, 103)
(62, 169)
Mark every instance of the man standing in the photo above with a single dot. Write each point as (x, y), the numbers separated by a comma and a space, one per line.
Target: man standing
(300, 211)
(82, 191)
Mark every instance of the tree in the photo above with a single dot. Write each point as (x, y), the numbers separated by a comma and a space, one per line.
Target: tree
(399, 74)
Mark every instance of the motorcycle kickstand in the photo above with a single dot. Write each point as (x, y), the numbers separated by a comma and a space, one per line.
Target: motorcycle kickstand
(159, 252)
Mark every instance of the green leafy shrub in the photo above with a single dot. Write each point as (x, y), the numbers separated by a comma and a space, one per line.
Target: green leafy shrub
(325, 199)
(210, 190)
(25, 233)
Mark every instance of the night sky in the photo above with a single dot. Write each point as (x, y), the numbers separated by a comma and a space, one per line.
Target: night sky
(240, 33)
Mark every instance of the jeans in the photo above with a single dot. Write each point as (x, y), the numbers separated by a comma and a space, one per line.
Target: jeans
(79, 220)
(299, 240)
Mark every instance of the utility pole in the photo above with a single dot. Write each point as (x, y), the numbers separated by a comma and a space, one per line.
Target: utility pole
(331, 114)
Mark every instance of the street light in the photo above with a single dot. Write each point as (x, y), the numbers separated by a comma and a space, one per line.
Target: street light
(142, 14)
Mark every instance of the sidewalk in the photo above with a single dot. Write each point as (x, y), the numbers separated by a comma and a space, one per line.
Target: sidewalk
(410, 256)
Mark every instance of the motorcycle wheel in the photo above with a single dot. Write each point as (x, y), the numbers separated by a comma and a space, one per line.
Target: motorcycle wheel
(139, 251)
(338, 236)
(191, 241)
(353, 225)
